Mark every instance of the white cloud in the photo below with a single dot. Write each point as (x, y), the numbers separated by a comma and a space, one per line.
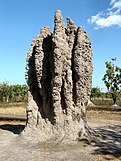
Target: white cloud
(94, 18)
(112, 1)
(109, 21)
(110, 17)
(117, 5)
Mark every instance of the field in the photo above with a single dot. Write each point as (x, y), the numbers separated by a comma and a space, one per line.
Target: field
(13, 108)
(104, 119)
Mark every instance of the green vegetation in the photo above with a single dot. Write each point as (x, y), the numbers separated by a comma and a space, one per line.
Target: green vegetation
(12, 93)
(96, 92)
(112, 80)
(103, 98)
(18, 93)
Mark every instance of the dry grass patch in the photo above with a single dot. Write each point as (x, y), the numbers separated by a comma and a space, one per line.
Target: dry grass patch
(13, 109)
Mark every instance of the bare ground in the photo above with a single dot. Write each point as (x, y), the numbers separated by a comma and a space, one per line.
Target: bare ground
(108, 123)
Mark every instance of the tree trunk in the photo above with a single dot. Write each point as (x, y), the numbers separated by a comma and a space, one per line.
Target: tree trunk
(114, 99)
(7, 99)
(59, 76)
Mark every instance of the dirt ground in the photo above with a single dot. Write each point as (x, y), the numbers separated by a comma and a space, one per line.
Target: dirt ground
(108, 123)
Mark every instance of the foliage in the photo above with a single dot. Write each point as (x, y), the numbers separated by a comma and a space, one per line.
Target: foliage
(95, 92)
(112, 79)
(18, 92)
(12, 93)
(5, 91)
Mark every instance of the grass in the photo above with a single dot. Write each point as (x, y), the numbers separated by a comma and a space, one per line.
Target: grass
(105, 102)
(19, 108)
(13, 108)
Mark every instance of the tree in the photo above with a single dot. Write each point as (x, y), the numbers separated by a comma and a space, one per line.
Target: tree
(19, 92)
(12, 92)
(112, 80)
(5, 91)
(95, 92)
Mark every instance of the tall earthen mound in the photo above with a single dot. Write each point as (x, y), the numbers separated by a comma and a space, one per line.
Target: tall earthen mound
(59, 76)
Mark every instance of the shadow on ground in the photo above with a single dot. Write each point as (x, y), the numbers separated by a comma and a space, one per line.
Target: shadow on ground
(109, 145)
(111, 142)
(16, 129)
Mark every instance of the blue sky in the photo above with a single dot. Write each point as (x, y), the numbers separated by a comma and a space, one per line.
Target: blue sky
(21, 20)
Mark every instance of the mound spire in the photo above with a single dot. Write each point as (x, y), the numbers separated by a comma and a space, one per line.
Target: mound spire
(59, 76)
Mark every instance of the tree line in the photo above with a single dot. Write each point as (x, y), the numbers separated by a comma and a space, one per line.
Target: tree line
(12, 93)
(18, 93)
(112, 80)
